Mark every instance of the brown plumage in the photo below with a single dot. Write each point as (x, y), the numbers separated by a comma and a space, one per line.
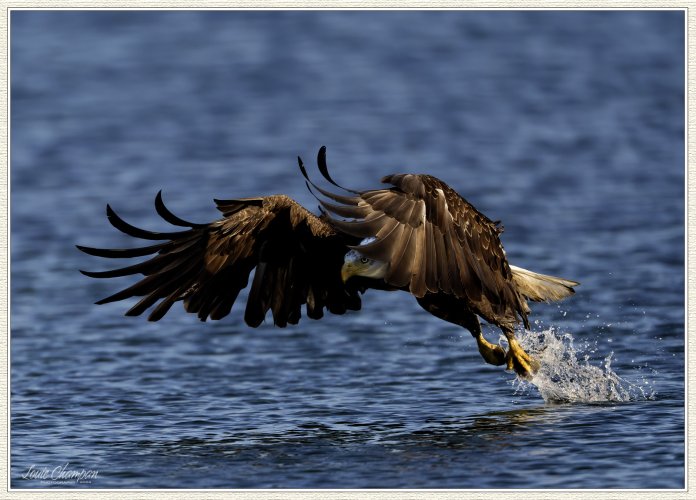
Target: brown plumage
(435, 242)
(436, 245)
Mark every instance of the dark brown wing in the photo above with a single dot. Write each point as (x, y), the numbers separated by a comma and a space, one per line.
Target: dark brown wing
(434, 240)
(297, 257)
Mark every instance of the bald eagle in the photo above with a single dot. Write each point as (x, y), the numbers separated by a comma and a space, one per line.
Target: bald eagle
(417, 235)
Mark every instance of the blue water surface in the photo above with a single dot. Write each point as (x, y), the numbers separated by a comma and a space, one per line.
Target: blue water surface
(567, 126)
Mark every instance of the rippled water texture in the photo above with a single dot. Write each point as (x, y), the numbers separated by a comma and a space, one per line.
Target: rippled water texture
(567, 126)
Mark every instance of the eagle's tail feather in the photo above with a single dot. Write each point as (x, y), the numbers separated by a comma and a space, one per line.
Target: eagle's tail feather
(540, 287)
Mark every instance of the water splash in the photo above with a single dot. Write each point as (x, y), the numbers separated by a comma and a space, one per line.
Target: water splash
(566, 374)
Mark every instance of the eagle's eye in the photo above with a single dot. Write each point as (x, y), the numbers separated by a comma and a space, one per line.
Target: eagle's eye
(364, 260)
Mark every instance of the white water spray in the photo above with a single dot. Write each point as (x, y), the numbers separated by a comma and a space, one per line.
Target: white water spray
(566, 374)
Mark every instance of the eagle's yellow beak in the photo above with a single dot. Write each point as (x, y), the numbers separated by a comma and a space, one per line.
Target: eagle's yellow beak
(346, 271)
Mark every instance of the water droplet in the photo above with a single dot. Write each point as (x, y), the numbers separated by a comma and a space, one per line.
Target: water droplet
(566, 374)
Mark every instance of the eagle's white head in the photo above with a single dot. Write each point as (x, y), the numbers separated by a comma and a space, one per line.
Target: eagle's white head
(356, 264)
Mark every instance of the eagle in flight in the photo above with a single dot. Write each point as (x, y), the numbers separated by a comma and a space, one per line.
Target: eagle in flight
(417, 235)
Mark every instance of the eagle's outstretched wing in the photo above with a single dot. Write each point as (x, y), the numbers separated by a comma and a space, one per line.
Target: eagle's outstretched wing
(297, 257)
(434, 241)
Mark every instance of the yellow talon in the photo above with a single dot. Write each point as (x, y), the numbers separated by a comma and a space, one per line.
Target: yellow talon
(517, 359)
(492, 354)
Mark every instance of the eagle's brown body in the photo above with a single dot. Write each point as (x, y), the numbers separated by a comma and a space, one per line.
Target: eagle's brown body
(436, 245)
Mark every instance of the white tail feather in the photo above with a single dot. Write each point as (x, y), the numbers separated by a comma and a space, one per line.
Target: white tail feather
(540, 287)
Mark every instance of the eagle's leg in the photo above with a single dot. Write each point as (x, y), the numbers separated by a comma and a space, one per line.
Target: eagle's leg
(452, 310)
(517, 359)
(491, 353)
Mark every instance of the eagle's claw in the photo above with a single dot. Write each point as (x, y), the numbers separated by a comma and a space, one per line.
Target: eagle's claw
(517, 359)
(492, 354)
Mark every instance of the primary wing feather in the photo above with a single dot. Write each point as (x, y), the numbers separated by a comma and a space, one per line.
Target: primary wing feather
(297, 258)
